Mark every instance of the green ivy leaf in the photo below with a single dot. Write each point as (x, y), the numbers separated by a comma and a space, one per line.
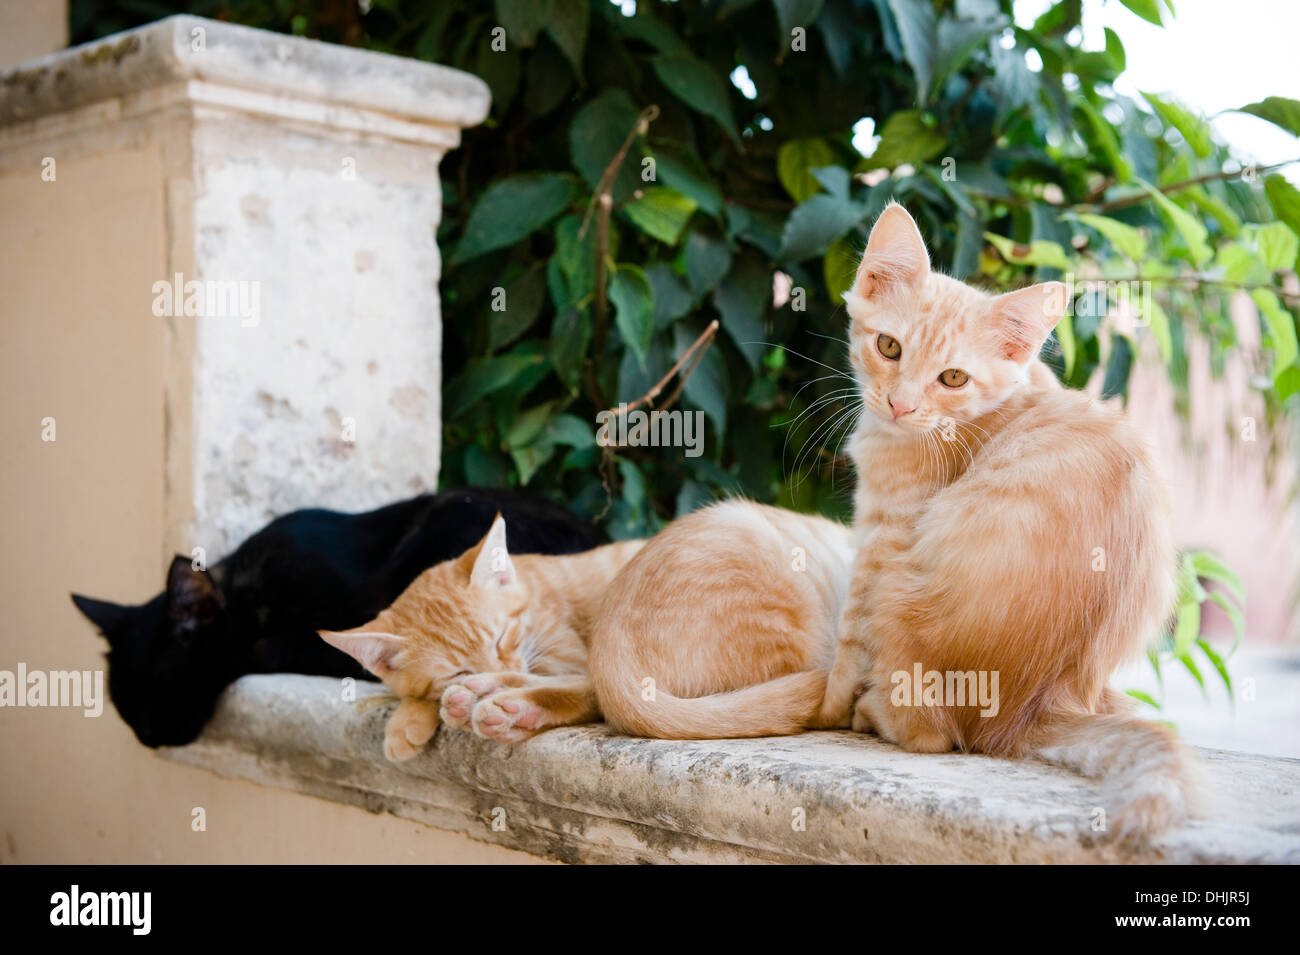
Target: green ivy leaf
(1142, 697)
(905, 138)
(1278, 110)
(1234, 614)
(1216, 661)
(918, 33)
(524, 295)
(1278, 245)
(707, 261)
(742, 299)
(700, 87)
(629, 291)
(1158, 322)
(597, 133)
(482, 377)
(1126, 239)
(815, 224)
(1194, 129)
(840, 266)
(511, 209)
(707, 386)
(662, 213)
(1211, 568)
(1188, 226)
(1040, 252)
(523, 19)
(679, 168)
(1281, 329)
(1064, 332)
(1187, 627)
(570, 337)
(1287, 382)
(570, 431)
(1118, 368)
(1285, 199)
(795, 13)
(672, 297)
(795, 162)
(958, 41)
(1148, 10)
(567, 25)
(528, 424)
(653, 32)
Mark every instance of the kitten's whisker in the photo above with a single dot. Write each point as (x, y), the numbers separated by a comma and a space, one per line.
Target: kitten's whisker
(803, 356)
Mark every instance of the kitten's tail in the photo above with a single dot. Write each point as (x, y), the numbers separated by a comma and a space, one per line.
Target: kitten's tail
(1148, 777)
(781, 707)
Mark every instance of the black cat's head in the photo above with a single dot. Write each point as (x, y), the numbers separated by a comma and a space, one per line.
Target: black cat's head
(169, 658)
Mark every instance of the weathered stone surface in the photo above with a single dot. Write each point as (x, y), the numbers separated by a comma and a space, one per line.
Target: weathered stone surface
(195, 48)
(585, 795)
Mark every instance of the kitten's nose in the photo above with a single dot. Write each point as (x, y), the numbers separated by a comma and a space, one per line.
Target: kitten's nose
(899, 408)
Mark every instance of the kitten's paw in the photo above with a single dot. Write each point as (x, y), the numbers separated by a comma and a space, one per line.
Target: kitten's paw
(458, 700)
(862, 721)
(410, 727)
(507, 717)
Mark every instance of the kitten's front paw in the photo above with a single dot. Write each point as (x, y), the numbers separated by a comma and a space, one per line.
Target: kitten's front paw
(507, 717)
(410, 727)
(862, 721)
(458, 700)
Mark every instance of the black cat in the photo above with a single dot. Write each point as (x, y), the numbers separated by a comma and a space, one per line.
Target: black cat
(258, 610)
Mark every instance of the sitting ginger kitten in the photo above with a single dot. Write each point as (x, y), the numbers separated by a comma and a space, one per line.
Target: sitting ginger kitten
(488, 642)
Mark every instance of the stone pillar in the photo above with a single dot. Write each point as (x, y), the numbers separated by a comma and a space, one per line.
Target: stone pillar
(287, 204)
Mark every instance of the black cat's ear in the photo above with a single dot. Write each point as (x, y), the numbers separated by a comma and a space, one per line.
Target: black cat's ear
(192, 595)
(108, 617)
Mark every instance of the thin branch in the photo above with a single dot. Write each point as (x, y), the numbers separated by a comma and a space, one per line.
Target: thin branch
(700, 345)
(1126, 201)
(1200, 280)
(602, 203)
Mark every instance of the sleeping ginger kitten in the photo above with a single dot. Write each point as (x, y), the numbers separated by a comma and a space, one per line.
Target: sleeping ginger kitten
(488, 642)
(1005, 525)
(724, 625)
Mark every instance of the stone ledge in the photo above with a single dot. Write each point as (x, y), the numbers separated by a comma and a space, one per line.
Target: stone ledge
(586, 795)
(293, 68)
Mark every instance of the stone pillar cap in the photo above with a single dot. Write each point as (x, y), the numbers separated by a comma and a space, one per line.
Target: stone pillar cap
(247, 58)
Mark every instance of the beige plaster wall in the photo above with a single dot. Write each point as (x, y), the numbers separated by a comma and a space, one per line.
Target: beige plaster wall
(31, 28)
(85, 512)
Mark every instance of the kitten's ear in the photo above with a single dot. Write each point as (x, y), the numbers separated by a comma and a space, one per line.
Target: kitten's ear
(375, 649)
(1024, 318)
(191, 594)
(895, 254)
(108, 617)
(492, 567)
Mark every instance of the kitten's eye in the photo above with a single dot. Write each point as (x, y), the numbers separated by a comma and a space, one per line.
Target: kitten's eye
(888, 347)
(954, 378)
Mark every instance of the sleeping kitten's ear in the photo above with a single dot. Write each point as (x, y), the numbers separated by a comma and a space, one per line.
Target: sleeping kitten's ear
(895, 254)
(1024, 318)
(191, 593)
(108, 617)
(492, 566)
(374, 649)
